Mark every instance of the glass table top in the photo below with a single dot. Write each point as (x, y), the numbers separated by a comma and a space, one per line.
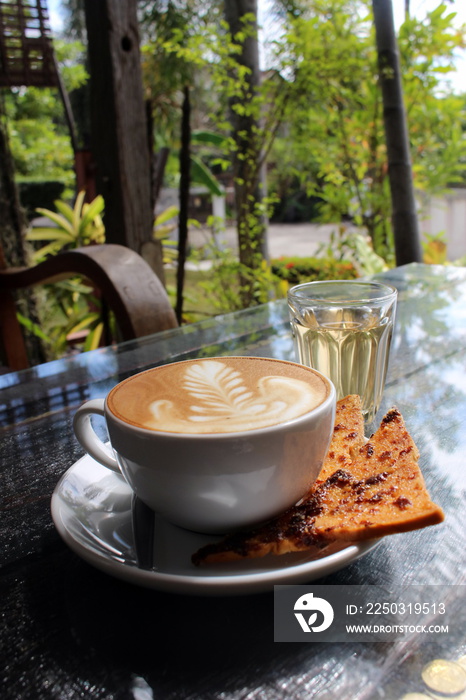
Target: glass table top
(81, 633)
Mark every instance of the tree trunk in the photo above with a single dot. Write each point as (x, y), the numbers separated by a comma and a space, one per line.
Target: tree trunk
(119, 133)
(404, 214)
(13, 254)
(185, 167)
(249, 171)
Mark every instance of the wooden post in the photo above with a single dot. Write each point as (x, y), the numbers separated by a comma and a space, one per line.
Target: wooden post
(118, 125)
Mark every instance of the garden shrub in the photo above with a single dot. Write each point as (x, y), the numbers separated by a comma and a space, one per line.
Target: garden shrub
(296, 270)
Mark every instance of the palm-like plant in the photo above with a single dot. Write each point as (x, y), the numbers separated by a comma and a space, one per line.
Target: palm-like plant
(74, 226)
(71, 305)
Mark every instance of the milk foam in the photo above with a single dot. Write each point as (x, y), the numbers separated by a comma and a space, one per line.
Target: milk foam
(221, 397)
(217, 396)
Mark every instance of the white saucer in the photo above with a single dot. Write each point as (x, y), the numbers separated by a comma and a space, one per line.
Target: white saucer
(91, 509)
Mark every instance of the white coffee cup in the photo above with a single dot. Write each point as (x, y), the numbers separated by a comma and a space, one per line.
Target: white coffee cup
(217, 443)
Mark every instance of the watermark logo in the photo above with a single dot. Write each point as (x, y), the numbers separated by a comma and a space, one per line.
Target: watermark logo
(310, 603)
(364, 613)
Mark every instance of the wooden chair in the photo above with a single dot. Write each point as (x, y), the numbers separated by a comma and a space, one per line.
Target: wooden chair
(128, 285)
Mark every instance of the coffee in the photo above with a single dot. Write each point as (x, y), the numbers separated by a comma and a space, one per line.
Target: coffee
(218, 395)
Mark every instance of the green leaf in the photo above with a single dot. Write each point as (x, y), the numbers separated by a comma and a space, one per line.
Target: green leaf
(49, 234)
(207, 137)
(91, 210)
(45, 251)
(166, 215)
(59, 220)
(93, 339)
(65, 210)
(77, 218)
(201, 175)
(162, 232)
(441, 69)
(85, 322)
(73, 285)
(32, 327)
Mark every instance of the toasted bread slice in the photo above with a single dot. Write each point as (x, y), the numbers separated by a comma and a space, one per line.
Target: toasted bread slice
(380, 491)
(383, 491)
(348, 436)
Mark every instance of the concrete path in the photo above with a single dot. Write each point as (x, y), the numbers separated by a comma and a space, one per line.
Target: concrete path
(300, 240)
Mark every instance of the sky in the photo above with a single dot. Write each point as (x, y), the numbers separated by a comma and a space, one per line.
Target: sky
(54, 14)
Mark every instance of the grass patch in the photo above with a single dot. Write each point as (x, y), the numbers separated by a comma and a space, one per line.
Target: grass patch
(197, 304)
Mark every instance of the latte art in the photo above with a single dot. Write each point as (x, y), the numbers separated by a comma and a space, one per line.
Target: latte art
(218, 395)
(222, 397)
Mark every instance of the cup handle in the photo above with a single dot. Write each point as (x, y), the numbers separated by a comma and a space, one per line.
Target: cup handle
(87, 437)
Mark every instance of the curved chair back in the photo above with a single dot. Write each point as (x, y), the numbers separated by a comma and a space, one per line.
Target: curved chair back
(129, 286)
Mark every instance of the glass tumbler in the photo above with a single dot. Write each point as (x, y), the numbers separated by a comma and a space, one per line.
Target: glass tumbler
(344, 329)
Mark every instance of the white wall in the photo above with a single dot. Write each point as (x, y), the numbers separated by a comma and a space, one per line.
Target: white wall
(446, 214)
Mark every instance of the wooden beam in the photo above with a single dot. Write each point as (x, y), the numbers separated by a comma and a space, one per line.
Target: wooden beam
(118, 122)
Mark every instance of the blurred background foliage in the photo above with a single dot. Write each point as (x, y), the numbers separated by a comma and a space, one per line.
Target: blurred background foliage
(321, 131)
